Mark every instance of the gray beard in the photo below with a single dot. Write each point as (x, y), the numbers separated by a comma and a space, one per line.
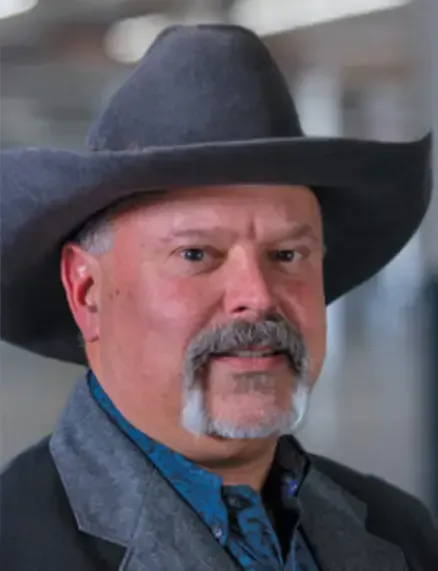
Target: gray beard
(269, 331)
(196, 419)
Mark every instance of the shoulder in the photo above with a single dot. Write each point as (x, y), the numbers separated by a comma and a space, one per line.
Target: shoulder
(392, 513)
(371, 489)
(34, 512)
(35, 456)
(30, 483)
(31, 474)
(39, 531)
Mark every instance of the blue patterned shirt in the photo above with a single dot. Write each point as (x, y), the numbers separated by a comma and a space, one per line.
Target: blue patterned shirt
(259, 539)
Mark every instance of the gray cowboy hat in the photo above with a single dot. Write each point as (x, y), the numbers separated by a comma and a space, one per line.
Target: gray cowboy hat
(207, 105)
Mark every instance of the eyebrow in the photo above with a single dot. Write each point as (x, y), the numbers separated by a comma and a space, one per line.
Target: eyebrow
(299, 232)
(193, 233)
(303, 231)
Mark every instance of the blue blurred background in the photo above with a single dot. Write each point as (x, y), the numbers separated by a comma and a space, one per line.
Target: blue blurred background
(362, 68)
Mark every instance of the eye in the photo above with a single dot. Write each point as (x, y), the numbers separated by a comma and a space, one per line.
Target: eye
(287, 255)
(193, 254)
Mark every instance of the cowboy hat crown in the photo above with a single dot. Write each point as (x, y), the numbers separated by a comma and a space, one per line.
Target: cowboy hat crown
(199, 85)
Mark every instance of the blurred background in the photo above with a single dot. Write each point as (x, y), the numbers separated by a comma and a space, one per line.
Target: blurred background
(362, 68)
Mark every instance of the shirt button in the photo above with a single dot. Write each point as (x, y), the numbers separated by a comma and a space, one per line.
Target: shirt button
(234, 502)
(293, 486)
(218, 532)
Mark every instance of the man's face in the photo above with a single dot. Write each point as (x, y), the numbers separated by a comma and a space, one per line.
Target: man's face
(209, 311)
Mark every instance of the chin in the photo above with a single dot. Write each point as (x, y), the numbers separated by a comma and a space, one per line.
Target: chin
(198, 420)
(250, 415)
(241, 430)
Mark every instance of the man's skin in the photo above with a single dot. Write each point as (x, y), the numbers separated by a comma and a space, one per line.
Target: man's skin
(187, 262)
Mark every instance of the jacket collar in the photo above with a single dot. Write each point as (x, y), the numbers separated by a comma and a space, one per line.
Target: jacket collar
(116, 494)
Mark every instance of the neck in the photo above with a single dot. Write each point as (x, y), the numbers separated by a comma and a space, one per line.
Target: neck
(251, 467)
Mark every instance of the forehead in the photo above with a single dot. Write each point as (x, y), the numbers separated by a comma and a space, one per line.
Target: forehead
(235, 208)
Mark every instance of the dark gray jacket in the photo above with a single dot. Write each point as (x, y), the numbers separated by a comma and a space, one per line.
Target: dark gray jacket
(86, 499)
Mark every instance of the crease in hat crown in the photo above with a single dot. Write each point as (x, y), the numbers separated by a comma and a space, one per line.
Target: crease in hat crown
(223, 86)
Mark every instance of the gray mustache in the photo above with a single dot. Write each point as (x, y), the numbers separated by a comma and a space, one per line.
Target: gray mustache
(273, 332)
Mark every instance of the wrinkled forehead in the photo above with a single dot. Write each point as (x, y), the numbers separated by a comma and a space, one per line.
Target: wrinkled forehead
(226, 206)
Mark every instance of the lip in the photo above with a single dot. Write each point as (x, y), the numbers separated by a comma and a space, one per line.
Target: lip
(268, 363)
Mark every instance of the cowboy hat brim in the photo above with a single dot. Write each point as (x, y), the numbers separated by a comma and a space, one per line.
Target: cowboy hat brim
(373, 197)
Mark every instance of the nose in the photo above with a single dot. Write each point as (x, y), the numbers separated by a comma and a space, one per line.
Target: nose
(248, 290)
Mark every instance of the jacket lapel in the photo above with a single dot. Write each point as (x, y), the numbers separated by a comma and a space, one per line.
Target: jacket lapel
(116, 495)
(334, 524)
(169, 535)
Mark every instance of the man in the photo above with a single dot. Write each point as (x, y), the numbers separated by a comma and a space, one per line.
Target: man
(195, 245)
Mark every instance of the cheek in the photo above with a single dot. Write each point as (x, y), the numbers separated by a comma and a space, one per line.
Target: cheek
(173, 305)
(306, 307)
(148, 326)
(315, 335)
(162, 314)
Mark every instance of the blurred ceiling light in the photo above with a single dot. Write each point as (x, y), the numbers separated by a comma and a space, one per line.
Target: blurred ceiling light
(9, 8)
(127, 40)
(281, 15)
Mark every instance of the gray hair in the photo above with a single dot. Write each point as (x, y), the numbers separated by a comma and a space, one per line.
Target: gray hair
(96, 236)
